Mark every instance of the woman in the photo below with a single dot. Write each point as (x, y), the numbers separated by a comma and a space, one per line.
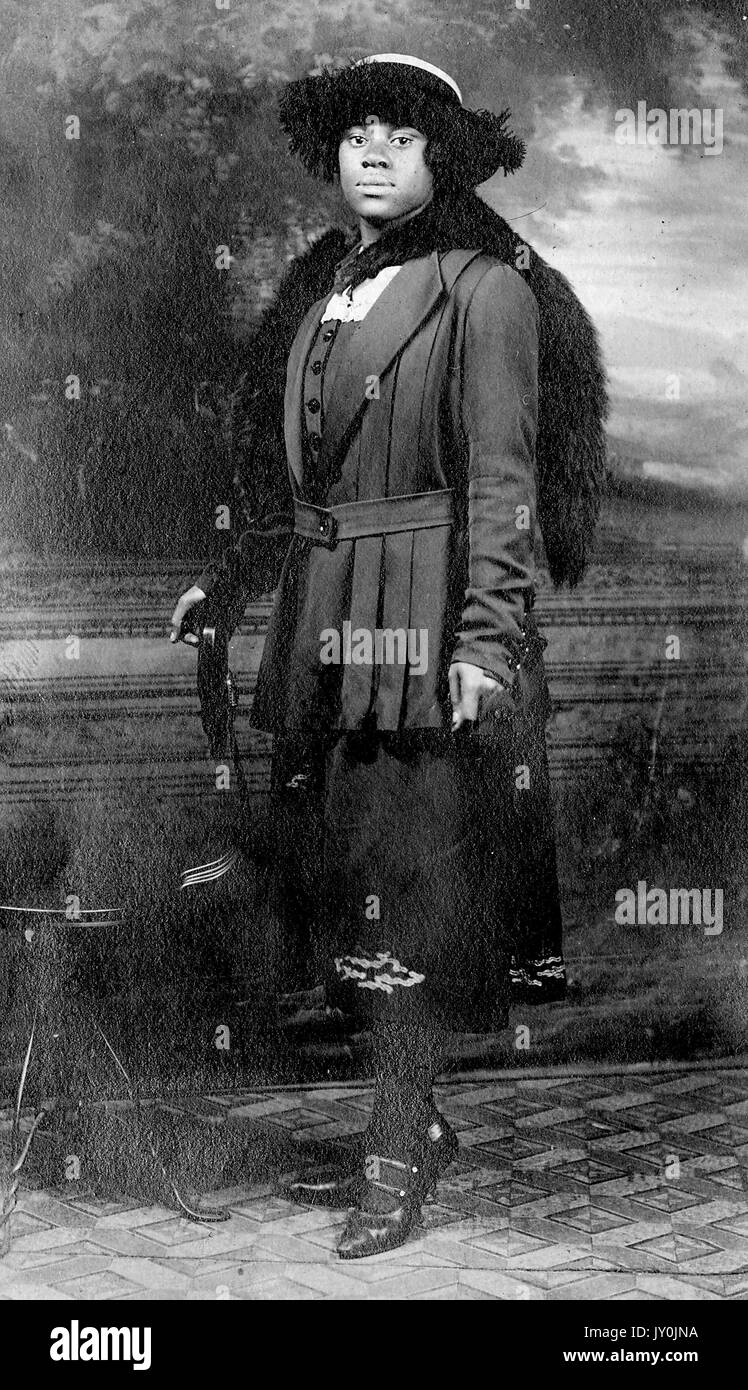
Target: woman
(402, 675)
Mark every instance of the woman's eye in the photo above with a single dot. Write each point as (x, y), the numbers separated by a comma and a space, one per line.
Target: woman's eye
(357, 138)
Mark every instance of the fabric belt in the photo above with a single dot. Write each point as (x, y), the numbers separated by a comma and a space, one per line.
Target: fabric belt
(376, 516)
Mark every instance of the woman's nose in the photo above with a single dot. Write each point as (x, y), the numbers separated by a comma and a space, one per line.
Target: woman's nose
(377, 155)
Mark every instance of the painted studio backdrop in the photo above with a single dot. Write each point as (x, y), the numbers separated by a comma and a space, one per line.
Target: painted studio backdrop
(148, 209)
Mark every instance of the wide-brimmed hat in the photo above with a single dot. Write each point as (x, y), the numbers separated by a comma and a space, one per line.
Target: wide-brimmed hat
(472, 145)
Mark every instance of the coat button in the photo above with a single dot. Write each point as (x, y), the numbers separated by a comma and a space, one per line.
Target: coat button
(312, 405)
(316, 368)
(314, 442)
(328, 334)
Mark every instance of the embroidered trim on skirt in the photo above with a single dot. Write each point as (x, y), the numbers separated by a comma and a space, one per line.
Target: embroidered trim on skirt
(414, 874)
(439, 886)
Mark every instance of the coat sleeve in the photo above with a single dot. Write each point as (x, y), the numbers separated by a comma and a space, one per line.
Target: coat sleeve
(498, 410)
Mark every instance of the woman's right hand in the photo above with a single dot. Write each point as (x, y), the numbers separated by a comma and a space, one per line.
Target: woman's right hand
(186, 601)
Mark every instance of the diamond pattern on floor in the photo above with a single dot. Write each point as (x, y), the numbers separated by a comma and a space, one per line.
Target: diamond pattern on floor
(629, 1186)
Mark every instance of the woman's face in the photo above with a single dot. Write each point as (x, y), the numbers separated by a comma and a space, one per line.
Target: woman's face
(383, 173)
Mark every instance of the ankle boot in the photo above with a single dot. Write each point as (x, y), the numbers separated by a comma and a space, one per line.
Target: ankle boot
(341, 1187)
(389, 1206)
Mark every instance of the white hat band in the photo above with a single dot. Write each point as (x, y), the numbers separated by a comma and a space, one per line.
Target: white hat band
(407, 61)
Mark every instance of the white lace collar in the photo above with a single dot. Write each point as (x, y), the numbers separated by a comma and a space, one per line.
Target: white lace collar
(354, 305)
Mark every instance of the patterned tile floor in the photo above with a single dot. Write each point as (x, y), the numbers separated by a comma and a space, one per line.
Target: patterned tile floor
(626, 1186)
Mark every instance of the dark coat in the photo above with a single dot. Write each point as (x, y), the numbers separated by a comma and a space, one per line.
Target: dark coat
(455, 407)
(572, 400)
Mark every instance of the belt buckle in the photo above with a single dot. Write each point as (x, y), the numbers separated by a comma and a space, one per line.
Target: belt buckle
(327, 529)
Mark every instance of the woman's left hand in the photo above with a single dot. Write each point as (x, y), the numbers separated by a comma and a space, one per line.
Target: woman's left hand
(468, 686)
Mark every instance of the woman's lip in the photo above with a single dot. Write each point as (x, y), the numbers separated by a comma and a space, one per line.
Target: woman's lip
(375, 185)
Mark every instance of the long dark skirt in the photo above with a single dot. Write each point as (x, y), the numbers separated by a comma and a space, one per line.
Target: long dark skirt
(416, 872)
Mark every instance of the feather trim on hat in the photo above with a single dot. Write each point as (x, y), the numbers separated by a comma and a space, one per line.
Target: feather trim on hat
(315, 112)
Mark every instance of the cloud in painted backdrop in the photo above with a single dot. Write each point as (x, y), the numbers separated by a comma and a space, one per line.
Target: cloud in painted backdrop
(653, 239)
